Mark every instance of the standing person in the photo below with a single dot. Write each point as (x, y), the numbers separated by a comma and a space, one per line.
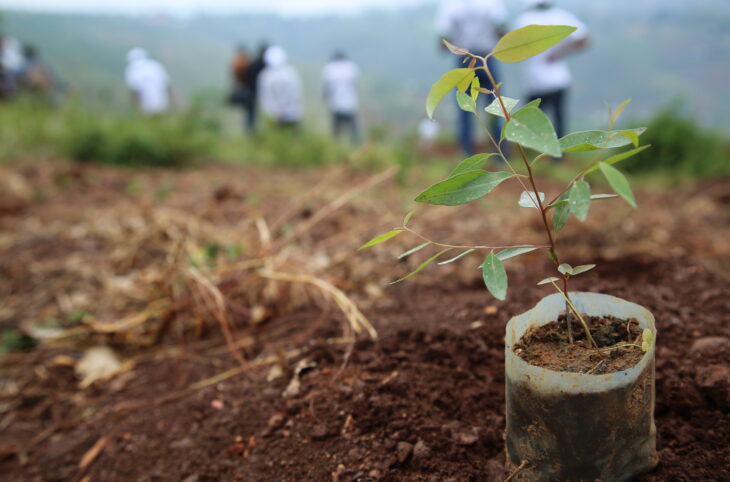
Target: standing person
(250, 81)
(149, 83)
(280, 87)
(547, 75)
(241, 94)
(11, 64)
(475, 25)
(339, 80)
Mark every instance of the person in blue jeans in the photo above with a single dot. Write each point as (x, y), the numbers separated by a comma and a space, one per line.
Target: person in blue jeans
(475, 25)
(547, 75)
(466, 119)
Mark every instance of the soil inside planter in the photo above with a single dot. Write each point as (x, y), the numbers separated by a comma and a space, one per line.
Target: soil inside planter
(548, 346)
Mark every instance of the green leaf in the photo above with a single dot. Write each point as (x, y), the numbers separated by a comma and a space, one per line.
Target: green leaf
(463, 188)
(465, 102)
(408, 217)
(421, 266)
(454, 49)
(459, 256)
(561, 213)
(528, 199)
(381, 238)
(472, 163)
(532, 103)
(495, 276)
(618, 182)
(531, 128)
(565, 268)
(451, 79)
(496, 108)
(592, 140)
(528, 41)
(579, 199)
(548, 280)
(475, 88)
(512, 252)
(414, 250)
(632, 136)
(598, 197)
(613, 117)
(620, 157)
(594, 197)
(647, 339)
(582, 269)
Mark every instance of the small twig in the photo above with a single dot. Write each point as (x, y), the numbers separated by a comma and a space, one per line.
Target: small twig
(615, 347)
(628, 330)
(239, 370)
(216, 305)
(354, 316)
(595, 367)
(569, 322)
(519, 469)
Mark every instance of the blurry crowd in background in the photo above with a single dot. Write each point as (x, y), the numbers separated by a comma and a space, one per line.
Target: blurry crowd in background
(266, 80)
(271, 81)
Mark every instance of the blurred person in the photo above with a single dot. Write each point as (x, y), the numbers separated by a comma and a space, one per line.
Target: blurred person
(547, 75)
(340, 79)
(475, 25)
(149, 83)
(250, 81)
(11, 64)
(242, 95)
(4, 80)
(36, 76)
(280, 87)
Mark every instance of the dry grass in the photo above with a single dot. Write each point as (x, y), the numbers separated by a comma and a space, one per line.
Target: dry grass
(140, 260)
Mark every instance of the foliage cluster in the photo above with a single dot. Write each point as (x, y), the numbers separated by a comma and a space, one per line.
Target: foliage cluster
(529, 130)
(30, 129)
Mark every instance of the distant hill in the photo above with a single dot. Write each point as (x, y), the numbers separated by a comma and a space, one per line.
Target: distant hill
(655, 51)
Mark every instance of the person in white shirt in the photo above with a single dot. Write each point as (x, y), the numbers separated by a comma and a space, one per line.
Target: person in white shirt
(11, 65)
(547, 75)
(475, 25)
(280, 88)
(149, 83)
(339, 80)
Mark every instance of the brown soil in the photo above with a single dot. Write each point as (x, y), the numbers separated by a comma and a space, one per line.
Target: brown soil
(425, 401)
(548, 346)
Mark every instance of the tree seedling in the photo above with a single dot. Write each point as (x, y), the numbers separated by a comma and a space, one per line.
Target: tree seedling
(528, 128)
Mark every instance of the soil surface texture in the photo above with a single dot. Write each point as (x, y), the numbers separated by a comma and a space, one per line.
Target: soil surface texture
(424, 402)
(548, 346)
(136, 264)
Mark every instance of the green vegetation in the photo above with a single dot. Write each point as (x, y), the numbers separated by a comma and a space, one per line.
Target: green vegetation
(527, 128)
(29, 129)
(93, 134)
(681, 148)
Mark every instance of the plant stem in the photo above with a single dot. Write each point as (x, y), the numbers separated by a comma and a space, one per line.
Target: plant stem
(452, 246)
(538, 202)
(578, 315)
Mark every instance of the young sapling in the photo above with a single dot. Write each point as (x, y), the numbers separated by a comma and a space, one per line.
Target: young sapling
(527, 128)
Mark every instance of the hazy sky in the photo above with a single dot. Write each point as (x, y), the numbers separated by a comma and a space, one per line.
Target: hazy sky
(184, 7)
